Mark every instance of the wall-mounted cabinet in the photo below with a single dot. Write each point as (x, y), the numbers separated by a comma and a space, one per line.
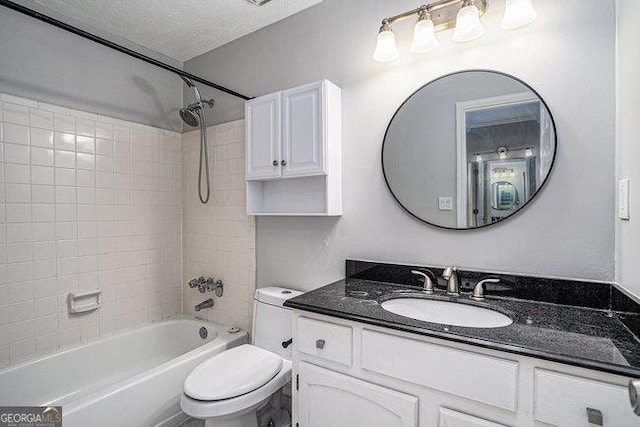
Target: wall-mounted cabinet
(294, 152)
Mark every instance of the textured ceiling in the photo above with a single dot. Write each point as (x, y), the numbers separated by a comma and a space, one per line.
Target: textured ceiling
(179, 29)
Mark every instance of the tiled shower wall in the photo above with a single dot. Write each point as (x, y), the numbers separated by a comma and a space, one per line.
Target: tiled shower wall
(219, 237)
(85, 202)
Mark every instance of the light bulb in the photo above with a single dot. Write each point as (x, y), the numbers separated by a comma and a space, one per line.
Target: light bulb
(468, 26)
(386, 49)
(528, 152)
(518, 13)
(424, 35)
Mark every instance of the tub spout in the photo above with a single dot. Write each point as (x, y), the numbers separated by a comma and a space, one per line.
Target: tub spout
(205, 304)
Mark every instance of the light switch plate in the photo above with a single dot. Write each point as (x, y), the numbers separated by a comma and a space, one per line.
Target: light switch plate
(445, 203)
(623, 199)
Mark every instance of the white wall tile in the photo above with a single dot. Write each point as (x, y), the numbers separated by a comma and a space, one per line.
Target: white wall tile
(18, 100)
(41, 138)
(67, 179)
(42, 175)
(64, 141)
(41, 156)
(85, 144)
(64, 123)
(65, 159)
(40, 119)
(16, 153)
(14, 113)
(17, 173)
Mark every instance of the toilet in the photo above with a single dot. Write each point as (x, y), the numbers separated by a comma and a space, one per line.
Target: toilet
(230, 388)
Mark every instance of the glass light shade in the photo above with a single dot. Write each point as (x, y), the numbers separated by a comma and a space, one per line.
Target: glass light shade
(424, 37)
(478, 158)
(386, 49)
(518, 13)
(468, 26)
(528, 152)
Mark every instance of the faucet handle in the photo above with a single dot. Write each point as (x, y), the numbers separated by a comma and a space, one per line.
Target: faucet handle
(478, 290)
(448, 272)
(429, 278)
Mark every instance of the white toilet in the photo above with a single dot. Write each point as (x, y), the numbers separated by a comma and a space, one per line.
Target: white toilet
(228, 389)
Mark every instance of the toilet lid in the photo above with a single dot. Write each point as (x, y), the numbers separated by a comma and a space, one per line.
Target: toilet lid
(232, 373)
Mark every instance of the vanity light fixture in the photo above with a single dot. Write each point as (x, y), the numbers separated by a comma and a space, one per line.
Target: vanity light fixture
(478, 157)
(528, 152)
(468, 26)
(441, 15)
(386, 49)
(424, 33)
(518, 13)
(502, 152)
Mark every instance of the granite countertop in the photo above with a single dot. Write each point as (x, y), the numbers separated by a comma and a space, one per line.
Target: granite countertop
(586, 337)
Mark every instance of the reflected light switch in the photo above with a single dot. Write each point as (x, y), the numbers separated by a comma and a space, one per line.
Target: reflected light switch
(623, 199)
(445, 203)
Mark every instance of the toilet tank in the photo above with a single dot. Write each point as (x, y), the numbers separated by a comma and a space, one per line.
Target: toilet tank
(273, 323)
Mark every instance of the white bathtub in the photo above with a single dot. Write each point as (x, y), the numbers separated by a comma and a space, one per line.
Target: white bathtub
(133, 378)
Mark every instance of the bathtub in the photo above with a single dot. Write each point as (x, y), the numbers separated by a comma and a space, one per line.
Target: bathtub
(132, 378)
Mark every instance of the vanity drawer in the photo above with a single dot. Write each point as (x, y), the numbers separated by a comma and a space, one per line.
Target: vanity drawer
(470, 375)
(562, 400)
(323, 339)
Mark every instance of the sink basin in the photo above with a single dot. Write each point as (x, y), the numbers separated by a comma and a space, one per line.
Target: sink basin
(446, 313)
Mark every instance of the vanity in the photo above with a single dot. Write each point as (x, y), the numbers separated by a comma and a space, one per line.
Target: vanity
(565, 358)
(398, 345)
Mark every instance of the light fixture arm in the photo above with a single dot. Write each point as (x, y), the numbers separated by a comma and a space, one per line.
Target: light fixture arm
(443, 13)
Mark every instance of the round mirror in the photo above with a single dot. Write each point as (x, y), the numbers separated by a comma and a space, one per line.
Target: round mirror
(469, 149)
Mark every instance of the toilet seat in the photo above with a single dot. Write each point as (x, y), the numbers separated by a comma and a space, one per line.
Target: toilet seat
(242, 403)
(232, 373)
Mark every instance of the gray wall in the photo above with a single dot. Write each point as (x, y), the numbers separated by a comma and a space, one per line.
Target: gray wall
(39, 61)
(567, 55)
(628, 149)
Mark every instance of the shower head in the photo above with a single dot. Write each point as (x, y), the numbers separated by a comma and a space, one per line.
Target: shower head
(190, 116)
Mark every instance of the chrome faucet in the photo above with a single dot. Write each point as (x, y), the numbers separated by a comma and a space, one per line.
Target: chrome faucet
(478, 291)
(429, 279)
(205, 304)
(450, 274)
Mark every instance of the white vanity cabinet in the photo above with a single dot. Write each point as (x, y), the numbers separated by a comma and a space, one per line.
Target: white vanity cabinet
(294, 151)
(329, 399)
(353, 374)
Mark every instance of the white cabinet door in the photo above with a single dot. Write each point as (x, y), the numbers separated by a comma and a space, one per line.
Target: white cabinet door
(329, 399)
(449, 418)
(304, 134)
(263, 127)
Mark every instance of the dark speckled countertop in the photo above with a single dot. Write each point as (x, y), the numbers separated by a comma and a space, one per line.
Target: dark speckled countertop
(593, 338)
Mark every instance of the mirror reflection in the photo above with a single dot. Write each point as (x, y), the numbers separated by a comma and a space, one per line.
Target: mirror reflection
(469, 149)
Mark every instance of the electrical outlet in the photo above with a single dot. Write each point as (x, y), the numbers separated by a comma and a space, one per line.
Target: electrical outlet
(445, 203)
(623, 199)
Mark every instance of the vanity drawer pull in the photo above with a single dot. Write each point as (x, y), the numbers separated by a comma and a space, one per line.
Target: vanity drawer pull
(324, 340)
(594, 416)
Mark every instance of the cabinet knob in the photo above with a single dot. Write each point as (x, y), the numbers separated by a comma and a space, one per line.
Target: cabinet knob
(275, 163)
(320, 344)
(283, 163)
(594, 417)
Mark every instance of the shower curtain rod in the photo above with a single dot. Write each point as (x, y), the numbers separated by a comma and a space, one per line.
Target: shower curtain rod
(77, 31)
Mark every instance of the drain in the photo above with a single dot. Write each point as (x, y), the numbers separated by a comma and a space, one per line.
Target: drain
(203, 333)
